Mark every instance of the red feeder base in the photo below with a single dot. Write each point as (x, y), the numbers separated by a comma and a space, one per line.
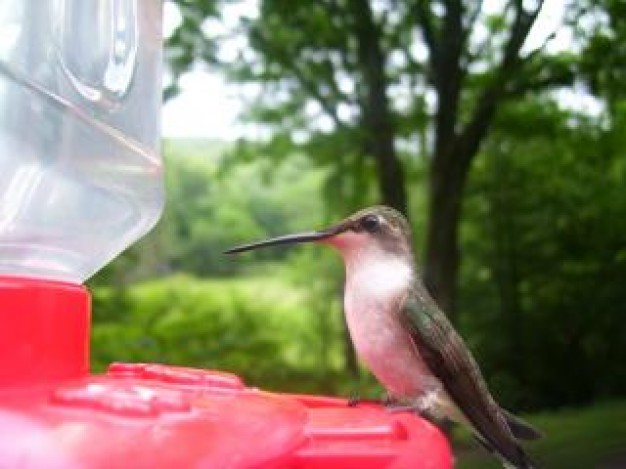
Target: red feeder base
(54, 415)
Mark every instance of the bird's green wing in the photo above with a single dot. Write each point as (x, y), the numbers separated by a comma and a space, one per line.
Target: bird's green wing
(447, 357)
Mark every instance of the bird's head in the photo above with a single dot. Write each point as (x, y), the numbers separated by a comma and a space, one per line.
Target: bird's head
(375, 230)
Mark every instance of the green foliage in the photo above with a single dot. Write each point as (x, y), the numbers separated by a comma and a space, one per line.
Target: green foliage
(602, 25)
(544, 243)
(371, 90)
(258, 327)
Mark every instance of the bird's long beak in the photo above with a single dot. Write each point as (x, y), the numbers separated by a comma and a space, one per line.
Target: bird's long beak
(304, 237)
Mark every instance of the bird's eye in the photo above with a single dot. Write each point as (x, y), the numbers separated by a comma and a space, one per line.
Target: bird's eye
(370, 223)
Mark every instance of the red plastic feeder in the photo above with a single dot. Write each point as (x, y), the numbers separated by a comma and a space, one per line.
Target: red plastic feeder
(54, 414)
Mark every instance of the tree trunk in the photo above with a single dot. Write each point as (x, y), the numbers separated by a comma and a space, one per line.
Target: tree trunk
(447, 170)
(442, 254)
(448, 173)
(455, 144)
(389, 170)
(379, 135)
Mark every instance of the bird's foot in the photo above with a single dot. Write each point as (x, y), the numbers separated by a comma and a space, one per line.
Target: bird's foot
(355, 400)
(418, 410)
(396, 407)
(420, 406)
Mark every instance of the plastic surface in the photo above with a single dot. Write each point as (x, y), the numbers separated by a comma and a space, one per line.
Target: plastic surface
(44, 331)
(53, 414)
(80, 95)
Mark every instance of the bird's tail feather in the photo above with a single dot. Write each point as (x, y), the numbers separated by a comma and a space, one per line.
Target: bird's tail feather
(519, 428)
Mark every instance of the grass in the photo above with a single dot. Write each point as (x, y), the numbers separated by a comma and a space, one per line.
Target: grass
(594, 437)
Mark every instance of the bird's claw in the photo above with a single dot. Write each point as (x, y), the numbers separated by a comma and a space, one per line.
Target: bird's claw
(419, 406)
(355, 400)
(396, 407)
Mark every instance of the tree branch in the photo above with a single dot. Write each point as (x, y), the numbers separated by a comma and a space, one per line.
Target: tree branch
(305, 79)
(379, 126)
(555, 74)
(449, 77)
(475, 130)
(419, 10)
(312, 87)
(471, 22)
(521, 27)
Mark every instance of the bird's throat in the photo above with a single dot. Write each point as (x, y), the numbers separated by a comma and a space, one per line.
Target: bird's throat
(375, 276)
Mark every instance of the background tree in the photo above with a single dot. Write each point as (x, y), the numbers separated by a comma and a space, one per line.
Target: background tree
(545, 257)
(368, 87)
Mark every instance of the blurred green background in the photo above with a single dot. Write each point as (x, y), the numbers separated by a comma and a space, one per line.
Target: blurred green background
(497, 129)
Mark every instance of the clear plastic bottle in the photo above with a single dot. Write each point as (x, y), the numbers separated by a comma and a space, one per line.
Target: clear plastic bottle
(80, 170)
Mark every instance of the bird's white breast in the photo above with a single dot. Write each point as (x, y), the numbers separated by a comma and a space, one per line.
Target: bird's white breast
(375, 289)
(377, 280)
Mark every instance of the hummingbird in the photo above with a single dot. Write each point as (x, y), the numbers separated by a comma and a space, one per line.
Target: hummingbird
(404, 338)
